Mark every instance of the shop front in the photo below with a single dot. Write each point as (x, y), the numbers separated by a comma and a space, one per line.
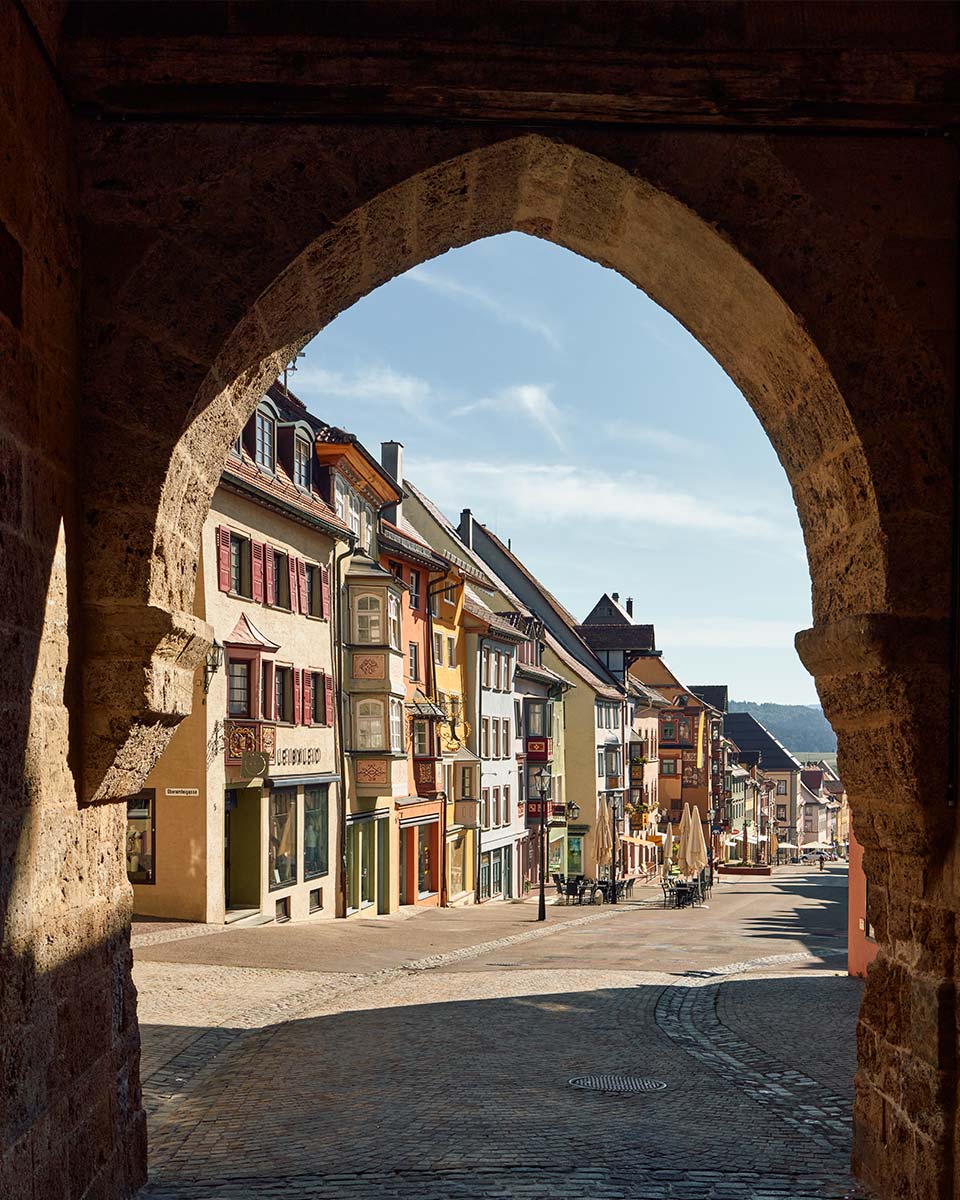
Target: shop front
(420, 863)
(368, 861)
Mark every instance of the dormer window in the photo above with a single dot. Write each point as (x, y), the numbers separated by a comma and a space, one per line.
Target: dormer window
(265, 446)
(301, 463)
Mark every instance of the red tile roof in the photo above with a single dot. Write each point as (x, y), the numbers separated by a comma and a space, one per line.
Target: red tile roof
(281, 487)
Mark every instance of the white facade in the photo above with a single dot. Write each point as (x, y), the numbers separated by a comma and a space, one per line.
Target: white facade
(502, 827)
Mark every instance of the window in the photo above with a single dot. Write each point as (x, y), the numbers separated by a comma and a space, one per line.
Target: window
(264, 449)
(282, 849)
(668, 766)
(266, 690)
(485, 807)
(240, 572)
(369, 619)
(669, 731)
(451, 652)
(396, 569)
(370, 730)
(485, 738)
(421, 739)
(496, 738)
(505, 738)
(314, 591)
(781, 812)
(495, 819)
(438, 649)
(505, 679)
(284, 693)
(413, 652)
(466, 784)
(238, 688)
(316, 899)
(393, 622)
(518, 717)
(341, 499)
(316, 831)
(397, 741)
(486, 667)
(536, 718)
(683, 728)
(414, 589)
(141, 836)
(781, 787)
(434, 604)
(280, 596)
(600, 762)
(301, 462)
(318, 701)
(495, 682)
(506, 805)
(450, 596)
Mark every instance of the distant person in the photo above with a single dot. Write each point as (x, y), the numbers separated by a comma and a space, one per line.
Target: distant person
(821, 860)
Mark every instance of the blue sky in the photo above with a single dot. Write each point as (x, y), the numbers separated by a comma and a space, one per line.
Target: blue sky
(580, 420)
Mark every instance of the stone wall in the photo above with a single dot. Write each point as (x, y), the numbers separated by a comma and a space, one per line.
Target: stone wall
(816, 266)
(69, 1091)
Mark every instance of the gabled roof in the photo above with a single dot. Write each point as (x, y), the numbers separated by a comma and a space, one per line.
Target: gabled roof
(608, 611)
(606, 690)
(618, 637)
(714, 694)
(245, 633)
(750, 735)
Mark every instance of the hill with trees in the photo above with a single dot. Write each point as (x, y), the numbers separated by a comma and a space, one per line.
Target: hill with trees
(800, 727)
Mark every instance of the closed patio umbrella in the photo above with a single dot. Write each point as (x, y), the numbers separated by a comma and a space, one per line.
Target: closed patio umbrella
(604, 835)
(667, 849)
(699, 858)
(686, 848)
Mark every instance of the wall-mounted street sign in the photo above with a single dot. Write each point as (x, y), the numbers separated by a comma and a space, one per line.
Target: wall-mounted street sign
(181, 791)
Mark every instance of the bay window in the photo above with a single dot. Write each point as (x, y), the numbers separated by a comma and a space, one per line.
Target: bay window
(369, 628)
(370, 725)
(238, 688)
(397, 739)
(393, 620)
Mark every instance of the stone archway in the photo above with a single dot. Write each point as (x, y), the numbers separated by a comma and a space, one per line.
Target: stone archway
(743, 240)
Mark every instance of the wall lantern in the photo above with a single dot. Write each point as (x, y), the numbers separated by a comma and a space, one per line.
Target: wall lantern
(573, 810)
(212, 664)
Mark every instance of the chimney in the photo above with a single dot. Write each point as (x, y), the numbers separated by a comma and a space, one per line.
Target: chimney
(391, 459)
(629, 606)
(616, 597)
(466, 528)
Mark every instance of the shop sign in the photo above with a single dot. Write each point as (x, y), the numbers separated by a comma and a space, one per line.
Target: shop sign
(181, 791)
(254, 765)
(299, 756)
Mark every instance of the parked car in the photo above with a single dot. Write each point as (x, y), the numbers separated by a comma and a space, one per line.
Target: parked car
(810, 856)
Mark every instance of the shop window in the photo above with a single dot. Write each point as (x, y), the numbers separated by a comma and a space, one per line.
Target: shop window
(484, 876)
(370, 725)
(282, 910)
(369, 628)
(238, 688)
(282, 847)
(496, 879)
(141, 837)
(316, 831)
(316, 899)
(265, 443)
(301, 463)
(283, 689)
(456, 866)
(575, 854)
(426, 883)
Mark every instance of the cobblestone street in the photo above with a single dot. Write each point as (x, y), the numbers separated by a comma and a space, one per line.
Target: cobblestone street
(430, 1056)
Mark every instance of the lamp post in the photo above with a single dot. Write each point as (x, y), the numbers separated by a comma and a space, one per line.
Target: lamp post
(544, 785)
(613, 850)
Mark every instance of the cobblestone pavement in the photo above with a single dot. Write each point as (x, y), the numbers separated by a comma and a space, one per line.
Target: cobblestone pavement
(446, 1074)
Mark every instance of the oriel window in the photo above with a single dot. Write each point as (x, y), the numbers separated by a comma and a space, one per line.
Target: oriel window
(238, 688)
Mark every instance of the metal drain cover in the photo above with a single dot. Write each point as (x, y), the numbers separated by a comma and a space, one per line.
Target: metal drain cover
(617, 1083)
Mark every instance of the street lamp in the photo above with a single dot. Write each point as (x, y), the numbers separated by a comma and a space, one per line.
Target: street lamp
(544, 783)
(613, 851)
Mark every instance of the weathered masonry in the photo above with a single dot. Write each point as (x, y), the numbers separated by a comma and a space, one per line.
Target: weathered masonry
(188, 192)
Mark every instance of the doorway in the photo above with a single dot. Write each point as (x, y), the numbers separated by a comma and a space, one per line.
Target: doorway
(241, 854)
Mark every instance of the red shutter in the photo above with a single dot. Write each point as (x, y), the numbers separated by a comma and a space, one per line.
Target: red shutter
(223, 557)
(302, 584)
(328, 699)
(325, 592)
(269, 693)
(268, 574)
(256, 569)
(296, 695)
(292, 577)
(307, 698)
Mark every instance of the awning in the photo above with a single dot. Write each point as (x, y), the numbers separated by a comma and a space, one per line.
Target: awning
(788, 846)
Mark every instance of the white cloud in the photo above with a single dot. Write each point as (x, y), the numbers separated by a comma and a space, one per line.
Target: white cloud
(380, 385)
(561, 493)
(500, 309)
(659, 439)
(532, 400)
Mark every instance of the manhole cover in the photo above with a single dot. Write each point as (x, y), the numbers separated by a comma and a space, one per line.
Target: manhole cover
(617, 1083)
